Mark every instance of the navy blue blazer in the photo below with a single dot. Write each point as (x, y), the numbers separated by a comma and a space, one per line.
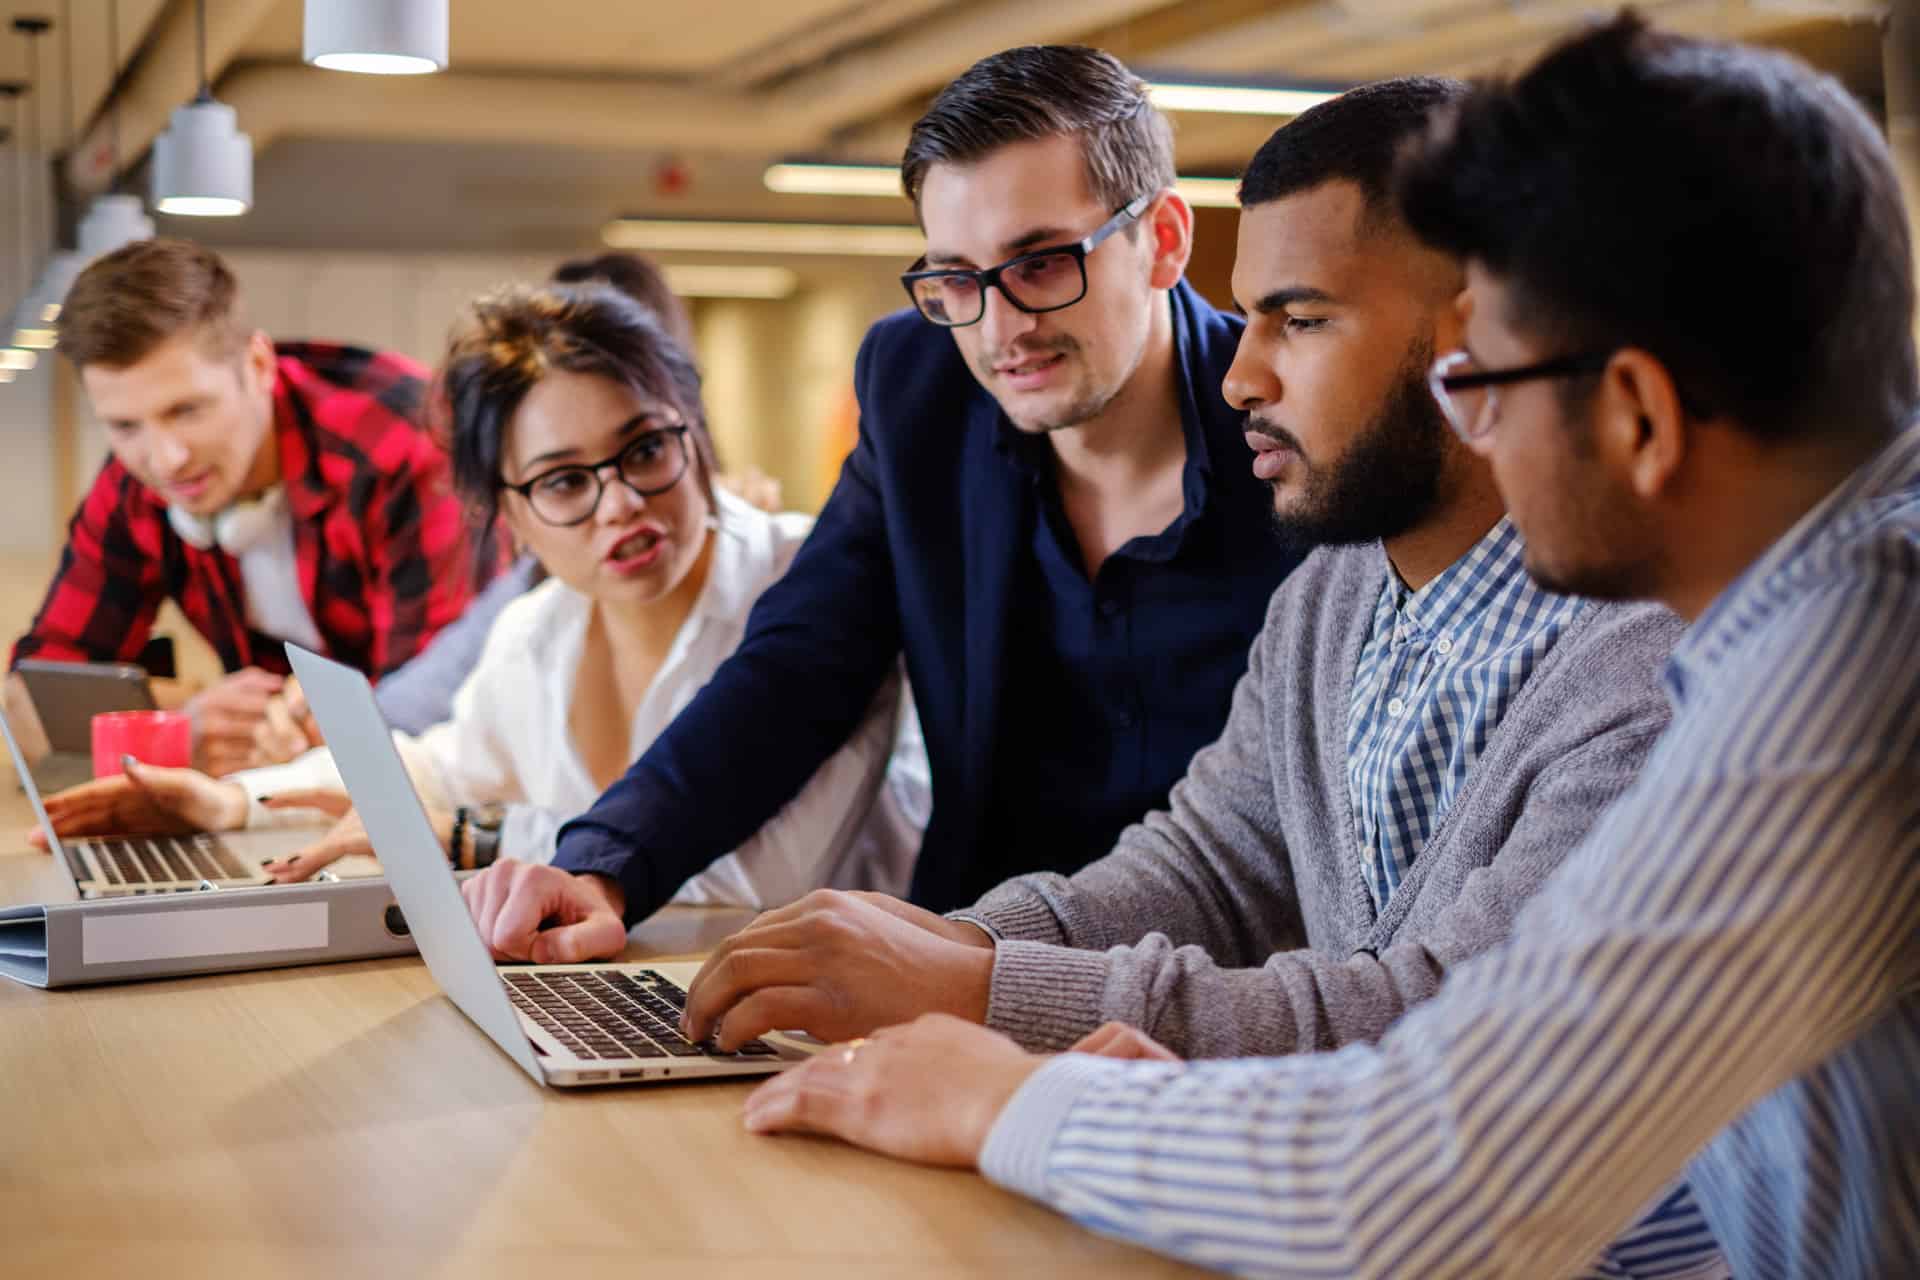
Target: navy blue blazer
(915, 552)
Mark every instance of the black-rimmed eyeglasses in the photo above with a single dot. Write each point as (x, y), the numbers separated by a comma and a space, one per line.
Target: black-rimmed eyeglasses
(1047, 279)
(649, 464)
(1469, 397)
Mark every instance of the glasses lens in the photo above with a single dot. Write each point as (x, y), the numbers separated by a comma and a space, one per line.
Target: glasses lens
(565, 495)
(654, 461)
(1046, 281)
(948, 300)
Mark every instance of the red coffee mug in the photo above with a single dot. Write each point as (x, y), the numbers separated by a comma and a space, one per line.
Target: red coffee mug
(151, 737)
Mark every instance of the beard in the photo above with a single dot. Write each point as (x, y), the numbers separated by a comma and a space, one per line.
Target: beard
(1386, 482)
(1088, 402)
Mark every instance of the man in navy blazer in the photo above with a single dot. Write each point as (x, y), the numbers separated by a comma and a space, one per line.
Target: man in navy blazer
(1050, 511)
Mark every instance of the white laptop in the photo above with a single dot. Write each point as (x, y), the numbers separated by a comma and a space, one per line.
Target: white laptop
(564, 1024)
(134, 865)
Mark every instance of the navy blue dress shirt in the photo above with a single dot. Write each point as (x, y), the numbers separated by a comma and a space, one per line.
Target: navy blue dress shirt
(1055, 709)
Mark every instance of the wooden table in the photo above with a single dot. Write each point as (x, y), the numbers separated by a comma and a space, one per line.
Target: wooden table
(347, 1120)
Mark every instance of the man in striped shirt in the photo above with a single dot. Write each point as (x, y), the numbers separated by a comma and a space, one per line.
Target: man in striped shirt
(1688, 359)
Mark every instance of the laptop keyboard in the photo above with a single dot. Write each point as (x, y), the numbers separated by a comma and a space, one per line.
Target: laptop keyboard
(168, 860)
(611, 1013)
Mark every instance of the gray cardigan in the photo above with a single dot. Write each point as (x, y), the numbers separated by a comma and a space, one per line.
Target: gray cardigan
(1237, 922)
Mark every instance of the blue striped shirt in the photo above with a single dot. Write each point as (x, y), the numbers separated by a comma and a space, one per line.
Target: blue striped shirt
(1436, 674)
(1724, 979)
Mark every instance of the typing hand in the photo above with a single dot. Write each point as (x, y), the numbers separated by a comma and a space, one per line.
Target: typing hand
(928, 1092)
(145, 800)
(286, 728)
(511, 900)
(838, 965)
(226, 715)
(1118, 1040)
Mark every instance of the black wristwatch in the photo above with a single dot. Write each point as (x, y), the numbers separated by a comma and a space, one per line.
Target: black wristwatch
(482, 823)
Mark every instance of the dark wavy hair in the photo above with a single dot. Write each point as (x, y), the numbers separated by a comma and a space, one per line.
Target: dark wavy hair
(1046, 91)
(1726, 208)
(513, 337)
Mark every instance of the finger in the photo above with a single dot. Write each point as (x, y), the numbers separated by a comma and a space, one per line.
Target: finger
(37, 839)
(302, 864)
(787, 1008)
(809, 1098)
(764, 933)
(600, 936)
(515, 915)
(486, 893)
(1098, 1040)
(736, 974)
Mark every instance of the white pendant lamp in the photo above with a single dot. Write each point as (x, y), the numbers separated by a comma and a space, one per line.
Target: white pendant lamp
(112, 222)
(377, 37)
(203, 164)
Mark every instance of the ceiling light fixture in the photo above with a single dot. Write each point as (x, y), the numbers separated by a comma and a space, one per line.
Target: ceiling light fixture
(1239, 100)
(113, 220)
(16, 359)
(376, 37)
(730, 281)
(663, 235)
(203, 164)
(801, 178)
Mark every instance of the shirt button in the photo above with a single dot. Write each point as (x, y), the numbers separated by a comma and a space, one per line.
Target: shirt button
(1396, 707)
(1444, 646)
(1109, 607)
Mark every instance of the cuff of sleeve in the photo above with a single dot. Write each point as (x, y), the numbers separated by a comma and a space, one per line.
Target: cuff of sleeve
(1015, 911)
(581, 850)
(1046, 997)
(979, 922)
(1021, 1141)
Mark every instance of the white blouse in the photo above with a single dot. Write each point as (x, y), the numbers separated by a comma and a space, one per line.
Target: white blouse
(508, 741)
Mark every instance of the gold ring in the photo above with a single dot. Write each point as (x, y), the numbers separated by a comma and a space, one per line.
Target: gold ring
(853, 1047)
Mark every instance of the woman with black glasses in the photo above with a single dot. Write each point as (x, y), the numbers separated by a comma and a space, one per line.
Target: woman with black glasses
(573, 417)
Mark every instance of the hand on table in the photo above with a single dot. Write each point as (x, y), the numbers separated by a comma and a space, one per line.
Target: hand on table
(928, 1092)
(837, 965)
(512, 900)
(145, 800)
(226, 715)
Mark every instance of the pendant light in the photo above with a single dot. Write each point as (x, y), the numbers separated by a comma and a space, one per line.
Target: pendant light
(23, 324)
(203, 164)
(376, 37)
(114, 219)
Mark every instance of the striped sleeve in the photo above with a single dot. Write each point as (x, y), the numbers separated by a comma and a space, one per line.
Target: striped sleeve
(1742, 913)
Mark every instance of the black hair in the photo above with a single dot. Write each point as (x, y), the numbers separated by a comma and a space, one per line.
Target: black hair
(512, 338)
(1727, 209)
(639, 278)
(1355, 137)
(1046, 91)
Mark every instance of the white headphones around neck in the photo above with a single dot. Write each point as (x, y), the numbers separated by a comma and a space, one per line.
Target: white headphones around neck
(233, 529)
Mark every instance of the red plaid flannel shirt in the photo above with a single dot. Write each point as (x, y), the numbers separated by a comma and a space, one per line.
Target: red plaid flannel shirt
(384, 553)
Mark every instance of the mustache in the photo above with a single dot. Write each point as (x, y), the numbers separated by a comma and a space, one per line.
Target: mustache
(1060, 345)
(1275, 432)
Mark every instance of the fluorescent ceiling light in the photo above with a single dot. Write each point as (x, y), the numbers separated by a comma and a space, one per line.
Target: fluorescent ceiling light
(730, 281)
(1237, 99)
(50, 313)
(11, 358)
(673, 235)
(35, 339)
(376, 37)
(6, 375)
(834, 179)
(1209, 193)
(884, 180)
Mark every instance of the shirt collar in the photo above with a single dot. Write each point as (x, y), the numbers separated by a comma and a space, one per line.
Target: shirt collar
(1890, 478)
(1492, 573)
(742, 559)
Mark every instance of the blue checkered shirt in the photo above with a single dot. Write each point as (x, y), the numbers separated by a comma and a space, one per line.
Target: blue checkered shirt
(1438, 670)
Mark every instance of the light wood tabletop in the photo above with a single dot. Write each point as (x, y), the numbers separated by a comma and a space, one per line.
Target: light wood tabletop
(347, 1120)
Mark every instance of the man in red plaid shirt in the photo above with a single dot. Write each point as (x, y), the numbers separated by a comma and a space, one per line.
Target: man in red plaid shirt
(275, 492)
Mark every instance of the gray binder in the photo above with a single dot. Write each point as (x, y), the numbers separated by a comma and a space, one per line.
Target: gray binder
(69, 944)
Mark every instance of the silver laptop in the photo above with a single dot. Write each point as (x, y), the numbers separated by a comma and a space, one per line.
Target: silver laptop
(564, 1024)
(132, 865)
